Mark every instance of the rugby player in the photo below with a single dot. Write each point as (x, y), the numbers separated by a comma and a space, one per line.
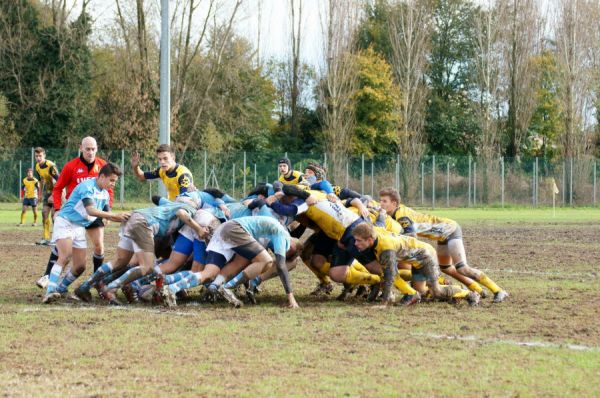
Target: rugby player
(450, 247)
(176, 177)
(287, 175)
(30, 188)
(84, 205)
(48, 175)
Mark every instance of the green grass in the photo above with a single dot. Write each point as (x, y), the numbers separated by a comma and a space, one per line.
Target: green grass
(326, 348)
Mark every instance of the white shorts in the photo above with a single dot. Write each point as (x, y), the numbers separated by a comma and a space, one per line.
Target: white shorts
(128, 243)
(218, 245)
(65, 229)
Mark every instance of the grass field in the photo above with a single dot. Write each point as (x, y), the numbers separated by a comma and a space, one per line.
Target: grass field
(543, 341)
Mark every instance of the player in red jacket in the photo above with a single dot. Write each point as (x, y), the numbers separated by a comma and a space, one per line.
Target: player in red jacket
(86, 166)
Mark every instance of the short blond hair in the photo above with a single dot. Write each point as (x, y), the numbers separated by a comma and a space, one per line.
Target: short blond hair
(364, 231)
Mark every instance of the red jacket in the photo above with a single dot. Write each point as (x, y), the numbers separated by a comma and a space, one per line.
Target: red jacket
(72, 174)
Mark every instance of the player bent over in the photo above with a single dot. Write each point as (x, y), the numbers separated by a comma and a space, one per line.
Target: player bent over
(237, 240)
(389, 248)
(137, 236)
(83, 207)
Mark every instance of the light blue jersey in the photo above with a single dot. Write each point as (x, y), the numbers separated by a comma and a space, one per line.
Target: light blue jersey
(163, 218)
(268, 231)
(86, 193)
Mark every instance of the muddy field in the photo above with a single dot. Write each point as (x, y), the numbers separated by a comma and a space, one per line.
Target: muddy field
(544, 340)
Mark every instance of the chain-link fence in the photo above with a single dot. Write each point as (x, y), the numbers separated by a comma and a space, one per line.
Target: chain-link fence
(433, 181)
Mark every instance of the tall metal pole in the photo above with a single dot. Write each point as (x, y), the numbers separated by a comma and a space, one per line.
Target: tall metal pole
(571, 181)
(362, 176)
(165, 79)
(469, 192)
(244, 181)
(372, 177)
(474, 183)
(594, 183)
(447, 184)
(422, 183)
(502, 180)
(20, 179)
(32, 158)
(122, 187)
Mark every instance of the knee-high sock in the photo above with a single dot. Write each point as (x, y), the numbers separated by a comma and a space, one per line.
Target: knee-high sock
(98, 259)
(51, 260)
(450, 291)
(192, 280)
(97, 276)
(405, 274)
(355, 277)
(403, 286)
(54, 278)
(475, 287)
(358, 266)
(487, 282)
(322, 275)
(129, 276)
(236, 280)
(47, 228)
(176, 277)
(67, 280)
(23, 216)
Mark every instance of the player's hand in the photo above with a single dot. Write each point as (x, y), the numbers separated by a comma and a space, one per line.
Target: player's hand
(292, 301)
(364, 212)
(202, 231)
(226, 211)
(311, 200)
(121, 217)
(135, 160)
(271, 199)
(332, 197)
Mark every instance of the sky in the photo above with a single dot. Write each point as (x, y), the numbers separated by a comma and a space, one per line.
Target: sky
(275, 23)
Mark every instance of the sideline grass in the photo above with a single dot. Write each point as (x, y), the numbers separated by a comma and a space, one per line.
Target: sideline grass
(326, 348)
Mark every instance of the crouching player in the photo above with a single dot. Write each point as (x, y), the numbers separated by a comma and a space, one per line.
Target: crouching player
(389, 248)
(137, 236)
(83, 207)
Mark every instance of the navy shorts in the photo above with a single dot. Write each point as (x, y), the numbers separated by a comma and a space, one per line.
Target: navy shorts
(30, 202)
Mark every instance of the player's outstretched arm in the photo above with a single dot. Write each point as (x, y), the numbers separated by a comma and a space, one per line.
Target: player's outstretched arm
(285, 280)
(135, 166)
(390, 269)
(117, 217)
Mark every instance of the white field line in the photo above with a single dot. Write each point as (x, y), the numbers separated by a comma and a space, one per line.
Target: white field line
(540, 344)
(559, 274)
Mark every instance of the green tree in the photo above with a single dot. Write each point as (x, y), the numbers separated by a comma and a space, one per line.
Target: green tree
(376, 102)
(546, 121)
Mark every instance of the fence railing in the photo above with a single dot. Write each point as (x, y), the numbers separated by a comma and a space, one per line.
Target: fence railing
(432, 181)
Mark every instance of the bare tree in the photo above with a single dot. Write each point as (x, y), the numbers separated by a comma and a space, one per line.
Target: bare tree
(523, 29)
(409, 29)
(296, 22)
(338, 81)
(488, 59)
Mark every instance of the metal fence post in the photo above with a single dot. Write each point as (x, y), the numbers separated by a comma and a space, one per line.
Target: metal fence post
(244, 180)
(362, 176)
(325, 160)
(502, 180)
(255, 175)
(372, 177)
(537, 181)
(33, 157)
(447, 184)
(571, 182)
(122, 188)
(233, 181)
(594, 183)
(433, 182)
(20, 180)
(398, 172)
(564, 182)
(474, 183)
(205, 161)
(422, 184)
(469, 190)
(347, 172)
(533, 185)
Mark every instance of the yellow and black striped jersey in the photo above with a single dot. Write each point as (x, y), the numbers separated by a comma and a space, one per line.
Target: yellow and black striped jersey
(391, 225)
(425, 225)
(48, 174)
(294, 179)
(407, 249)
(30, 187)
(177, 181)
(331, 217)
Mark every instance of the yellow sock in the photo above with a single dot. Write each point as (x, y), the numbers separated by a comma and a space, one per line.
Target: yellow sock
(321, 275)
(441, 280)
(461, 294)
(404, 287)
(358, 266)
(47, 228)
(487, 282)
(405, 274)
(23, 215)
(475, 287)
(355, 277)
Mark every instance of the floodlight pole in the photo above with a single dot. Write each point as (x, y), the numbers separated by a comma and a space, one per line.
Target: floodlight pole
(165, 80)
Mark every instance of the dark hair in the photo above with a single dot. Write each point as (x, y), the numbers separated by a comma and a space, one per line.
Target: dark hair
(285, 161)
(28, 170)
(392, 193)
(39, 149)
(260, 189)
(109, 169)
(216, 192)
(165, 148)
